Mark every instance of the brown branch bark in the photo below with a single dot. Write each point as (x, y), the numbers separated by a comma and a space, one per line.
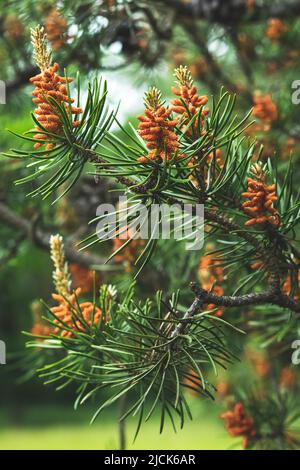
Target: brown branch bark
(203, 297)
(234, 11)
(270, 296)
(41, 239)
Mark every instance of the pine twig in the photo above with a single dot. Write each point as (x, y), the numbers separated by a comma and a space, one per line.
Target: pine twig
(41, 239)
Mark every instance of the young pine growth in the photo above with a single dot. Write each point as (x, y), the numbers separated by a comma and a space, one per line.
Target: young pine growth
(261, 198)
(189, 103)
(69, 312)
(48, 84)
(157, 129)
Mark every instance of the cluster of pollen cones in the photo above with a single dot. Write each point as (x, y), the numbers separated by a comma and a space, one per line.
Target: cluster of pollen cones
(49, 84)
(260, 203)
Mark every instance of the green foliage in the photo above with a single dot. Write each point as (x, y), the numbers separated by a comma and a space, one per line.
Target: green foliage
(172, 179)
(71, 152)
(137, 349)
(152, 351)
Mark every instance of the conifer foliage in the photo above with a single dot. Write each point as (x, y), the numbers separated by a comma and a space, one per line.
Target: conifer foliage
(151, 350)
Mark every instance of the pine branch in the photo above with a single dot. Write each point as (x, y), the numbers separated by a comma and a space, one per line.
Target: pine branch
(84, 151)
(234, 11)
(269, 296)
(41, 239)
(271, 261)
(94, 157)
(203, 297)
(273, 293)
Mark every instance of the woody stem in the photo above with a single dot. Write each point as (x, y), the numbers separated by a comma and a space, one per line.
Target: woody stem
(122, 425)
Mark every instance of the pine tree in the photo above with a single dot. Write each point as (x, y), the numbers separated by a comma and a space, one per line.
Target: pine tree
(148, 338)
